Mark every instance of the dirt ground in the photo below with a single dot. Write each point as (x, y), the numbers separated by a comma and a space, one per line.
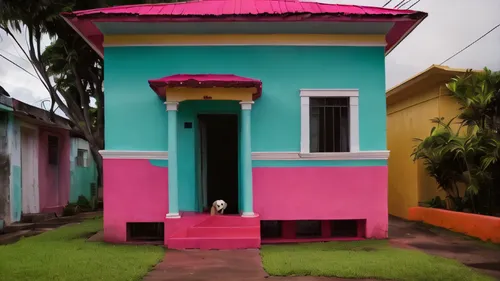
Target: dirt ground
(440, 242)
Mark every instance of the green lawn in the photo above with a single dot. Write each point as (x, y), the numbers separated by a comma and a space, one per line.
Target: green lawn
(63, 254)
(362, 259)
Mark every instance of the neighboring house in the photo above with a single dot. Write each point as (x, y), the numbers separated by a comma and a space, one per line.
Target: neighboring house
(410, 107)
(83, 170)
(34, 162)
(276, 107)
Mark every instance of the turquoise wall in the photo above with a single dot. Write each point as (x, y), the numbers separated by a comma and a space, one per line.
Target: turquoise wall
(81, 177)
(136, 118)
(14, 147)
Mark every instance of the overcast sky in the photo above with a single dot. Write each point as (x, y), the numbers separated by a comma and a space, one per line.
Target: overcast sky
(450, 26)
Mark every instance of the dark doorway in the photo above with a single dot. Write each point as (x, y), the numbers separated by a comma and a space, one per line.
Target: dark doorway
(219, 159)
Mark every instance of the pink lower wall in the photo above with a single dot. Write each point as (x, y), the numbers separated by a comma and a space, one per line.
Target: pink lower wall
(323, 193)
(54, 181)
(134, 191)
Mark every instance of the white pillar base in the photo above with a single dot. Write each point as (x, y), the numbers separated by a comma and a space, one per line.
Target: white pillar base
(172, 216)
(248, 215)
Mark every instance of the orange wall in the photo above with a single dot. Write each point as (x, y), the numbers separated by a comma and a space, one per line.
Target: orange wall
(407, 119)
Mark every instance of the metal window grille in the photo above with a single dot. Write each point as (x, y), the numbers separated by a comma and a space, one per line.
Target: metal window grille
(82, 158)
(53, 150)
(329, 124)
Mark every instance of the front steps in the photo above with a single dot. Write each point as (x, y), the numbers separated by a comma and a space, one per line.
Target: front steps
(217, 233)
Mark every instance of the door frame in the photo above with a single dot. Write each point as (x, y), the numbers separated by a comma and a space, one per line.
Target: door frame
(201, 158)
(34, 132)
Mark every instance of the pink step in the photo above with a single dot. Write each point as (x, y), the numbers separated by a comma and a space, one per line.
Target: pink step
(229, 221)
(214, 243)
(244, 231)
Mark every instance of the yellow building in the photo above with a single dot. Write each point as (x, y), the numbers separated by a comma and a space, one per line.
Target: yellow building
(410, 106)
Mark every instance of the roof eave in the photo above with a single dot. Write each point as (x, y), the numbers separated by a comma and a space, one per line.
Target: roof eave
(445, 73)
(417, 23)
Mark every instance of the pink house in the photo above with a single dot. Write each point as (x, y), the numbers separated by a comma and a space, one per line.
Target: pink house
(39, 158)
(275, 106)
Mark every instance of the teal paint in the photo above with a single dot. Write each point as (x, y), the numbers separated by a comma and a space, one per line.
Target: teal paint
(81, 178)
(246, 162)
(275, 117)
(159, 163)
(16, 204)
(14, 148)
(5, 108)
(284, 70)
(173, 194)
(318, 163)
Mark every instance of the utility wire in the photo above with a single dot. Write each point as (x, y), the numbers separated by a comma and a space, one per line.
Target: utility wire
(397, 5)
(466, 47)
(20, 67)
(388, 2)
(413, 4)
(400, 7)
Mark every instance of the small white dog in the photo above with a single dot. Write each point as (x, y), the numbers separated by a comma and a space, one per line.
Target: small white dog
(218, 207)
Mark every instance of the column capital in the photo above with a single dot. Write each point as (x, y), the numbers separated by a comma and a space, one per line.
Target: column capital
(172, 105)
(246, 105)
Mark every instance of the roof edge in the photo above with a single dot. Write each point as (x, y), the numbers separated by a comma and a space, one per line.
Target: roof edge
(422, 77)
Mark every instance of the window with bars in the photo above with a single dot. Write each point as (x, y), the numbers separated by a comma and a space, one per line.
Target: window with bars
(329, 124)
(53, 150)
(82, 158)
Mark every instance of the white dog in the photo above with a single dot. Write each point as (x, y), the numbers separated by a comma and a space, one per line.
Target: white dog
(218, 207)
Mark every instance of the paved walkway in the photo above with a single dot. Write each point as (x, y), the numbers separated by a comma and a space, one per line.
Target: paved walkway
(243, 265)
(246, 265)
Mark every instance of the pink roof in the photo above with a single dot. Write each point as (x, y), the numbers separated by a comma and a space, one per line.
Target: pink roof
(205, 81)
(242, 10)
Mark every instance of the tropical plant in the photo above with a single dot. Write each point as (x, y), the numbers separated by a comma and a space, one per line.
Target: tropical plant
(469, 156)
(439, 160)
(478, 94)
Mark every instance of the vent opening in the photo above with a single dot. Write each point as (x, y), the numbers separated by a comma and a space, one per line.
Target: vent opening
(145, 231)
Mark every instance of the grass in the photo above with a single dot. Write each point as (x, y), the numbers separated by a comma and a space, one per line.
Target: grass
(363, 259)
(64, 254)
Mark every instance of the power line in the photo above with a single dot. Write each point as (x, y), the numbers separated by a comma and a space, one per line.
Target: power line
(388, 2)
(402, 5)
(14, 63)
(397, 5)
(413, 4)
(466, 47)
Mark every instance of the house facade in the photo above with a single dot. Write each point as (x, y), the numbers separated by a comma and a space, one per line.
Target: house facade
(35, 157)
(279, 112)
(410, 107)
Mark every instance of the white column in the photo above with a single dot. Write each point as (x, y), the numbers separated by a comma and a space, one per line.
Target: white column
(173, 188)
(246, 159)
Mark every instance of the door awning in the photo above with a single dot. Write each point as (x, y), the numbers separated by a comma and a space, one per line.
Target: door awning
(161, 85)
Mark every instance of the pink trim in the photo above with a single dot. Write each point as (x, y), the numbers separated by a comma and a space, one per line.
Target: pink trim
(204, 81)
(243, 11)
(134, 191)
(308, 240)
(323, 193)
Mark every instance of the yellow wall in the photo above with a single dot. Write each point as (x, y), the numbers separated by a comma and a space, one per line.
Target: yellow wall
(409, 118)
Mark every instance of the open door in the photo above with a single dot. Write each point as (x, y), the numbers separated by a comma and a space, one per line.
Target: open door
(219, 160)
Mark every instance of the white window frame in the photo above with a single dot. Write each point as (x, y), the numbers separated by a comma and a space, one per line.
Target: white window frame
(306, 94)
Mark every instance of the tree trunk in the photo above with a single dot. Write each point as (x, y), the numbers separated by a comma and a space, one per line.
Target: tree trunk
(98, 162)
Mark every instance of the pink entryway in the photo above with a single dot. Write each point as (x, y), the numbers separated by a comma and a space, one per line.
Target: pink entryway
(202, 231)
